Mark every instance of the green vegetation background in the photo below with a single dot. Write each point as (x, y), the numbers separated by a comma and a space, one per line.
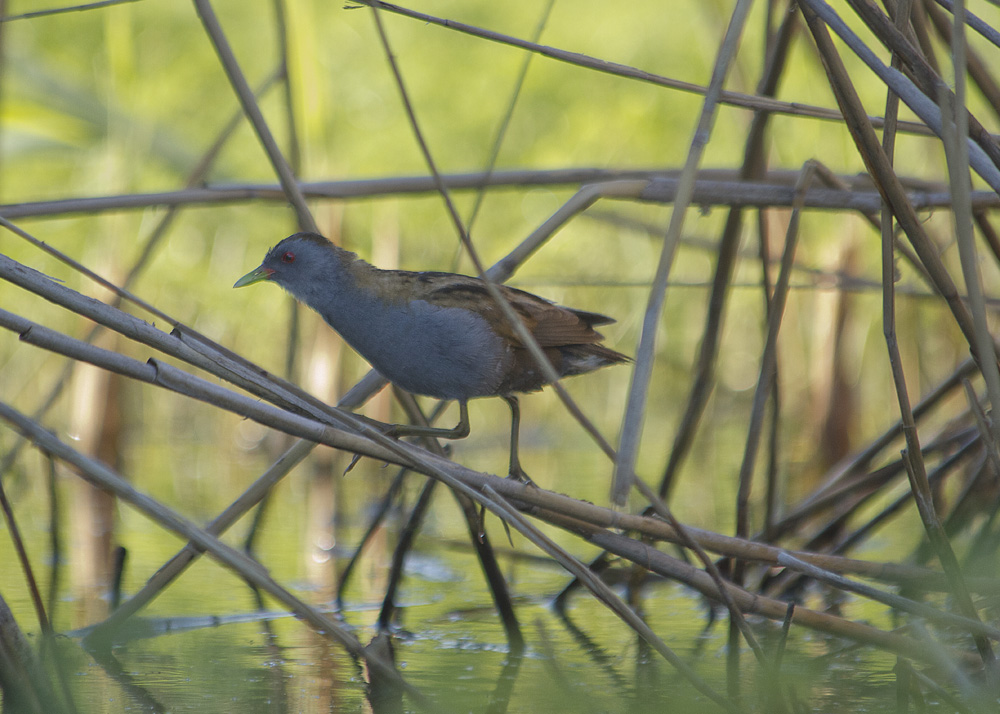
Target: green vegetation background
(126, 99)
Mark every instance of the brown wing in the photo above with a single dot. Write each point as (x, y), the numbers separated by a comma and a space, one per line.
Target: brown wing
(552, 325)
(567, 336)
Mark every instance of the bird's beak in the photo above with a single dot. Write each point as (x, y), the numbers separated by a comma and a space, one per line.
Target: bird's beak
(254, 276)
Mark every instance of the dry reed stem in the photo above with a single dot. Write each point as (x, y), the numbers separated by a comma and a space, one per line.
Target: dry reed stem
(60, 10)
(880, 167)
(101, 476)
(289, 184)
(276, 418)
(768, 363)
(298, 413)
(290, 423)
(196, 177)
(307, 428)
(477, 535)
(749, 602)
(524, 335)
(172, 378)
(25, 684)
(216, 359)
(922, 105)
(603, 593)
(504, 124)
(713, 188)
(753, 167)
(605, 517)
(737, 99)
(897, 602)
(635, 406)
(169, 571)
(956, 120)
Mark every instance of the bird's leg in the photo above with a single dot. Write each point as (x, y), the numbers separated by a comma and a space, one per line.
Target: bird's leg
(515, 471)
(459, 431)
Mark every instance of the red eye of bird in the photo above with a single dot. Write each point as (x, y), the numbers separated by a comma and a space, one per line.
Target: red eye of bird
(288, 257)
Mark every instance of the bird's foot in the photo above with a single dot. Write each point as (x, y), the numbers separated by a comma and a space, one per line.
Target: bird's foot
(518, 474)
(482, 527)
(393, 431)
(387, 429)
(397, 431)
(354, 462)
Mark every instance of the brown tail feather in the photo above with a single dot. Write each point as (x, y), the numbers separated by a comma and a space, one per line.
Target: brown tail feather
(568, 360)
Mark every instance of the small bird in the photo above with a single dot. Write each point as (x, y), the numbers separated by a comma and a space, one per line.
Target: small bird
(436, 334)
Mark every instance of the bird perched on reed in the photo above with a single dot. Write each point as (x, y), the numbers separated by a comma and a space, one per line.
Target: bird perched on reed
(436, 334)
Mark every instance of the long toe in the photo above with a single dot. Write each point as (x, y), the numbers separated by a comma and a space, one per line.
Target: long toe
(354, 462)
(520, 475)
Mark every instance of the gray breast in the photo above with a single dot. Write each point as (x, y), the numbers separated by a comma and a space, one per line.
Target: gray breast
(443, 352)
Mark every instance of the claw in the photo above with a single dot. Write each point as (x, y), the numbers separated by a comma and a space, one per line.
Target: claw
(521, 476)
(482, 527)
(482, 523)
(354, 462)
(506, 529)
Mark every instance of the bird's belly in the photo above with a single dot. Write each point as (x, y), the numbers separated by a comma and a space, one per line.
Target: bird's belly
(449, 353)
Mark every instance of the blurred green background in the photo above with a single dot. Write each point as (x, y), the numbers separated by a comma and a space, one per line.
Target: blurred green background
(126, 99)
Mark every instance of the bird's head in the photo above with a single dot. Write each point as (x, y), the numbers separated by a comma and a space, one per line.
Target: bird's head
(298, 263)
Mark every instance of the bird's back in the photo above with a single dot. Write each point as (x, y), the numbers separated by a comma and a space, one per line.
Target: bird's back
(567, 336)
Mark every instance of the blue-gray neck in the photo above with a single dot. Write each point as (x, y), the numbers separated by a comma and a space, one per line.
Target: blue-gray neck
(332, 289)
